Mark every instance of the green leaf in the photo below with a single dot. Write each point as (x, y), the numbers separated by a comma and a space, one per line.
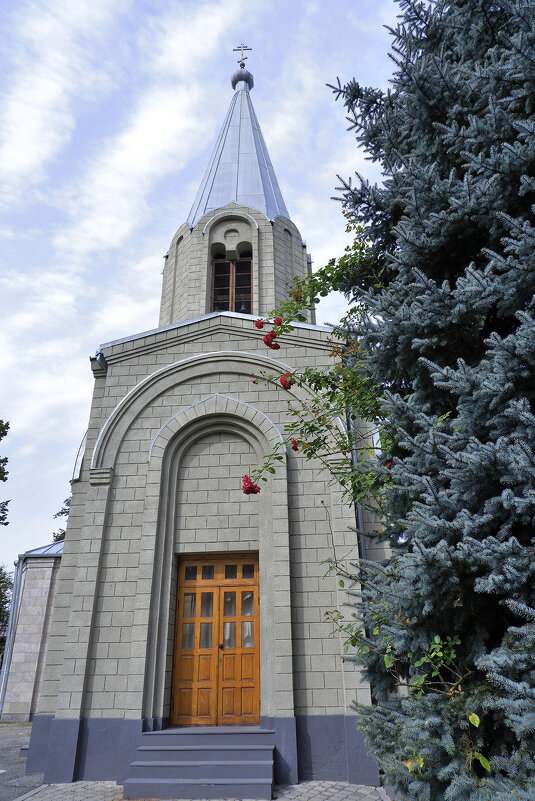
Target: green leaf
(483, 761)
(474, 719)
(389, 661)
(341, 583)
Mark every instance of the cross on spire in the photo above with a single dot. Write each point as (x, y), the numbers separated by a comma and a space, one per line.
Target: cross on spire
(242, 47)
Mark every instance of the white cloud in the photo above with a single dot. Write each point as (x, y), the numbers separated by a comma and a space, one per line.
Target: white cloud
(132, 306)
(170, 122)
(289, 125)
(51, 63)
(188, 38)
(109, 201)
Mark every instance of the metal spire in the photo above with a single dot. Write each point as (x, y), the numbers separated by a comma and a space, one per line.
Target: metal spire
(240, 169)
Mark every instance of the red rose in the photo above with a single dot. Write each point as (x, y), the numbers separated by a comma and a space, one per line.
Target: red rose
(294, 445)
(277, 321)
(268, 338)
(286, 380)
(297, 294)
(249, 487)
(259, 324)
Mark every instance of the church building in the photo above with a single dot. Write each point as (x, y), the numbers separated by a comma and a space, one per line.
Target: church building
(188, 651)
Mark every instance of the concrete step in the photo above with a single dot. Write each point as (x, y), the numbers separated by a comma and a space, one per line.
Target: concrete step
(203, 762)
(193, 753)
(206, 769)
(200, 788)
(210, 735)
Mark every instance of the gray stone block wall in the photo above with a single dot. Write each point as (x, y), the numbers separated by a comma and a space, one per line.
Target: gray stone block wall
(31, 637)
(214, 514)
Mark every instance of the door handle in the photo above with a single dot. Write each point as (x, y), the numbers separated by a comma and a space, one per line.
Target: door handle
(221, 646)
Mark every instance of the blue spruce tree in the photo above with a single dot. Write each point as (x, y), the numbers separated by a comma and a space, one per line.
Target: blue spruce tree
(450, 336)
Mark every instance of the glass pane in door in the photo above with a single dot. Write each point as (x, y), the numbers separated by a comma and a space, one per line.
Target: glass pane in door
(247, 603)
(230, 604)
(247, 634)
(207, 604)
(189, 605)
(188, 635)
(229, 635)
(206, 635)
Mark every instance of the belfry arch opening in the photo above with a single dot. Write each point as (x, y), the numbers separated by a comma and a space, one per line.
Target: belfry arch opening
(232, 282)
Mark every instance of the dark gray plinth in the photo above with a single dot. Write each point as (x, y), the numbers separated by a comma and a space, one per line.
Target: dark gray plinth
(331, 748)
(322, 747)
(60, 765)
(106, 748)
(93, 749)
(285, 762)
(38, 745)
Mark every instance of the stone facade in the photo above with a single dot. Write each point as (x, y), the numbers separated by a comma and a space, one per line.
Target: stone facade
(179, 415)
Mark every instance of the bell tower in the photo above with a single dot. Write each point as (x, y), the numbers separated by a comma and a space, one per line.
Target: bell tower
(238, 251)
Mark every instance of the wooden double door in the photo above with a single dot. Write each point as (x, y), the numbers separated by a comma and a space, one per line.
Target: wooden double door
(216, 666)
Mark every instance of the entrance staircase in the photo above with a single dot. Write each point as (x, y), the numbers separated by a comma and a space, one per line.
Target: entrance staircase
(203, 762)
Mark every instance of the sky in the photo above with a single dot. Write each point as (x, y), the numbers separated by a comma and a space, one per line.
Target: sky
(109, 111)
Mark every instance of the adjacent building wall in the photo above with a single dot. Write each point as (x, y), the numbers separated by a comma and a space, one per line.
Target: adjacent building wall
(30, 637)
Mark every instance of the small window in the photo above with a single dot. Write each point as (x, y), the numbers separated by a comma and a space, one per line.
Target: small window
(232, 284)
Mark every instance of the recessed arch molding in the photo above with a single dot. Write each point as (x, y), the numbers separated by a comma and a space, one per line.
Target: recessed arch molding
(188, 369)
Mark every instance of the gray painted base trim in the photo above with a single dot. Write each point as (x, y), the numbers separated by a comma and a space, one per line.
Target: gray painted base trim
(285, 757)
(331, 748)
(322, 747)
(93, 749)
(38, 745)
(62, 752)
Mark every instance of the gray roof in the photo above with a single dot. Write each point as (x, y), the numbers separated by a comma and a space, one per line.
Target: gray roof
(54, 549)
(240, 169)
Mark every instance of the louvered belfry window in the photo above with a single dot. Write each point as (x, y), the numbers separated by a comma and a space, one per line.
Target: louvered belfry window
(232, 284)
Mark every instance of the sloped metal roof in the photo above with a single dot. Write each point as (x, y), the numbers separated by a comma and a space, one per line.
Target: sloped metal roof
(240, 169)
(54, 549)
